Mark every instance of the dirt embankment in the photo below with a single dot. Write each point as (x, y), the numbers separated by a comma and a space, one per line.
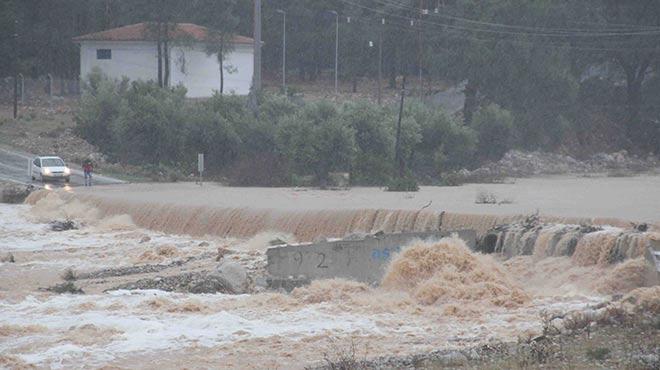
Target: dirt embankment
(517, 163)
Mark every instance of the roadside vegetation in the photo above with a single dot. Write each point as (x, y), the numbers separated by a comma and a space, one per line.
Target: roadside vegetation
(285, 143)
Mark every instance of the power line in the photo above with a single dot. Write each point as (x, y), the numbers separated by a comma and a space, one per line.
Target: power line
(619, 31)
(548, 44)
(545, 34)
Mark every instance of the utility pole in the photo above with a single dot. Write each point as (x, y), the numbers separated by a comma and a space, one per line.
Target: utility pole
(256, 73)
(15, 95)
(257, 46)
(398, 156)
(336, 50)
(283, 49)
(420, 49)
(380, 60)
(15, 69)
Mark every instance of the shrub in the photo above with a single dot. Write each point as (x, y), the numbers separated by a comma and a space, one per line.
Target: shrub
(406, 183)
(208, 132)
(146, 125)
(598, 354)
(231, 107)
(494, 126)
(374, 139)
(456, 147)
(150, 125)
(99, 109)
(344, 357)
(446, 144)
(274, 108)
(316, 141)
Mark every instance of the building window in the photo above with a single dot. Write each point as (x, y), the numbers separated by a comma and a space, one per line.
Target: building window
(103, 54)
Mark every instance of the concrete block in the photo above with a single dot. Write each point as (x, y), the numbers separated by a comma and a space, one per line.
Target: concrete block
(653, 256)
(361, 260)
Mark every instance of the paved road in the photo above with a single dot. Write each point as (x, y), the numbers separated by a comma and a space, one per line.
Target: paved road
(14, 168)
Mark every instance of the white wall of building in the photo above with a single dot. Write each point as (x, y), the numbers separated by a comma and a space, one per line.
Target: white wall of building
(190, 66)
(135, 60)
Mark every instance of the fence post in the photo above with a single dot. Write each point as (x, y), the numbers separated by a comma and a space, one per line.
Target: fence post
(49, 86)
(22, 86)
(15, 96)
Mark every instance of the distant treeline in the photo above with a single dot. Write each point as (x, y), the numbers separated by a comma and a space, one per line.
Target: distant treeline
(576, 75)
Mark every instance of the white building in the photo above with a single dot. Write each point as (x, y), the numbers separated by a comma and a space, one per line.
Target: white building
(130, 52)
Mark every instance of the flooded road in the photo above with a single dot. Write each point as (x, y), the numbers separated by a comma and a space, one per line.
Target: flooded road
(628, 198)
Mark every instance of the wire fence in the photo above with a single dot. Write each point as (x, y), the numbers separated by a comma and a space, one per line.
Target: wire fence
(32, 89)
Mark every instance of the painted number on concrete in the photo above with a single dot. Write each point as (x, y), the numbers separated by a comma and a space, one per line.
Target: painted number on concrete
(321, 264)
(384, 254)
(298, 260)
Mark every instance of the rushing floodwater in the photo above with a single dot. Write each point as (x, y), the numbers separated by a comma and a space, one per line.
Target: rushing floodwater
(434, 296)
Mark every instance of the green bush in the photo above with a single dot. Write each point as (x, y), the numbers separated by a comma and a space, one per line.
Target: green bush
(446, 144)
(457, 149)
(150, 125)
(406, 183)
(99, 109)
(231, 107)
(284, 143)
(494, 126)
(210, 133)
(274, 108)
(598, 354)
(374, 139)
(316, 141)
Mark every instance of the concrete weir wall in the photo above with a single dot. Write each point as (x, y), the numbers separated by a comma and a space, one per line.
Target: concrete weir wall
(653, 256)
(362, 260)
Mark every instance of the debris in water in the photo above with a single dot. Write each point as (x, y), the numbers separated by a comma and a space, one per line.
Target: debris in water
(276, 241)
(641, 227)
(485, 197)
(63, 225)
(69, 275)
(68, 287)
(8, 258)
(191, 282)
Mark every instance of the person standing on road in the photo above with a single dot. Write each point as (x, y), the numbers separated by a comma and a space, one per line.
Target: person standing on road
(87, 170)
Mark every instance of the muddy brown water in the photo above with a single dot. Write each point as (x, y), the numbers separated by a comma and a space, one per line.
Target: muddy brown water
(437, 296)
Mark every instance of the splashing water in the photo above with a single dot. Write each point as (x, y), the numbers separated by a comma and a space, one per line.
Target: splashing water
(448, 270)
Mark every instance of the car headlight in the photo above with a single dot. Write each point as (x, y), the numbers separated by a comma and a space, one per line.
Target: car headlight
(46, 171)
(67, 171)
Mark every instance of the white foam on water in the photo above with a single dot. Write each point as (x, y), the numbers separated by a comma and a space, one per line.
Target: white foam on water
(102, 329)
(140, 330)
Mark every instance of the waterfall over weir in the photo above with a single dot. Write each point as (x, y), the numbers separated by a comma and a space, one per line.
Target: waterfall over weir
(587, 245)
(508, 235)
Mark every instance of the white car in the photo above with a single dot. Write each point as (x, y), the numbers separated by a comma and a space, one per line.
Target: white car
(52, 168)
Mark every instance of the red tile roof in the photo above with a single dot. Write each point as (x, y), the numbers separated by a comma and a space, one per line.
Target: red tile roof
(141, 32)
